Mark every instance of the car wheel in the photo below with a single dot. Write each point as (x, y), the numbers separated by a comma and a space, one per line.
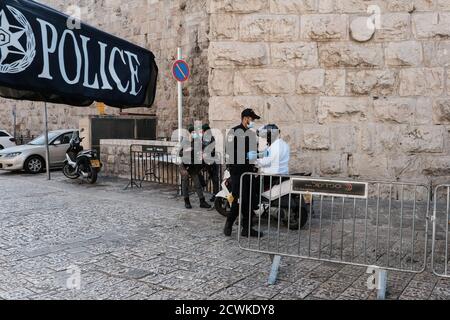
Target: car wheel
(34, 165)
(1, 147)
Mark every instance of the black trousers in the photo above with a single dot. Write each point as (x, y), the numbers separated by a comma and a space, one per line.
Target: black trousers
(193, 173)
(213, 172)
(250, 190)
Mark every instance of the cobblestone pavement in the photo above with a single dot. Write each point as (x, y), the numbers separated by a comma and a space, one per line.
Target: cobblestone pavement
(143, 244)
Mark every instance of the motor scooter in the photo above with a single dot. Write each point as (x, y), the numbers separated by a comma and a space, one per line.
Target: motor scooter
(277, 201)
(81, 163)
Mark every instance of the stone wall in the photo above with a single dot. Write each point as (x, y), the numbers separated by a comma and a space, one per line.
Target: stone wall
(159, 25)
(377, 109)
(115, 155)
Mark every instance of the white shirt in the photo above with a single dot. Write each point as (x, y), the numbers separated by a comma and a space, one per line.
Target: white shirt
(278, 160)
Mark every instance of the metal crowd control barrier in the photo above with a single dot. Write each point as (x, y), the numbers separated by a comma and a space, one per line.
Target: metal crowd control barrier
(155, 163)
(441, 220)
(379, 225)
(149, 163)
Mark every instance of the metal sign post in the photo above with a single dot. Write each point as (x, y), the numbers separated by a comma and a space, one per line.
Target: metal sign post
(181, 73)
(180, 114)
(180, 101)
(47, 152)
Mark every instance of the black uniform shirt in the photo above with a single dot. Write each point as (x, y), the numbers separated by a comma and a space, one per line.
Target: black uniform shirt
(238, 162)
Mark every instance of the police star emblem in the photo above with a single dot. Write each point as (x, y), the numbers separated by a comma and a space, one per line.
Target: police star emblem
(12, 43)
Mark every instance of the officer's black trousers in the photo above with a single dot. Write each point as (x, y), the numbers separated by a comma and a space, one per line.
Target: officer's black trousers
(250, 190)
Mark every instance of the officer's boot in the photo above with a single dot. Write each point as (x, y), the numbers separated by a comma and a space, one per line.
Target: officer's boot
(228, 229)
(204, 204)
(187, 203)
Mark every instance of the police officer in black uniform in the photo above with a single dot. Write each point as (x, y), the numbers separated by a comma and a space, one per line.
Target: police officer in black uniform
(212, 167)
(192, 164)
(241, 152)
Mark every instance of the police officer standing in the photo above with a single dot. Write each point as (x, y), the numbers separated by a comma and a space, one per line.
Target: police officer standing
(191, 166)
(241, 150)
(211, 166)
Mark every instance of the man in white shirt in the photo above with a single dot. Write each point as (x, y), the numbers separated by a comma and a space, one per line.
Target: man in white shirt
(276, 157)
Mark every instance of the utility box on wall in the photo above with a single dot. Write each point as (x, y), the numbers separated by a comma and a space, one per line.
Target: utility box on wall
(117, 127)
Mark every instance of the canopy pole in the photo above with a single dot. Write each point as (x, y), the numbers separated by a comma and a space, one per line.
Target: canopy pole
(47, 152)
(14, 122)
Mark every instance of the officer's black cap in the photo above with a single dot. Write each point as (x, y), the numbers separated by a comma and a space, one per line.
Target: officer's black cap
(250, 113)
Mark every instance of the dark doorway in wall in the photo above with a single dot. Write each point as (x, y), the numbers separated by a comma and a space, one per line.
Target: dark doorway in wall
(123, 127)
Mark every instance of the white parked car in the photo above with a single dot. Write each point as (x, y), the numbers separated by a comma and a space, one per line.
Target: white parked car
(31, 156)
(6, 140)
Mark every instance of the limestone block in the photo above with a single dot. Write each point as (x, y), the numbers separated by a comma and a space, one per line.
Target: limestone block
(297, 54)
(335, 82)
(431, 25)
(237, 54)
(408, 53)
(441, 111)
(263, 81)
(406, 168)
(372, 82)
(361, 30)
(324, 27)
(369, 166)
(429, 53)
(442, 54)
(292, 7)
(291, 134)
(424, 111)
(421, 82)
(350, 55)
(224, 27)
(334, 109)
(229, 109)
(296, 108)
(316, 137)
(400, 5)
(280, 109)
(366, 138)
(304, 161)
(436, 166)
(425, 5)
(311, 81)
(448, 83)
(304, 106)
(221, 82)
(332, 163)
(443, 5)
(394, 27)
(395, 110)
(358, 6)
(423, 139)
(326, 6)
(344, 138)
(238, 6)
(269, 28)
(386, 138)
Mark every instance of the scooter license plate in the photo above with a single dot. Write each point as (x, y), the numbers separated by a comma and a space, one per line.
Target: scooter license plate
(307, 198)
(95, 163)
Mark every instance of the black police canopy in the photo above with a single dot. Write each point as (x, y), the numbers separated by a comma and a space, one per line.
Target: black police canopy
(46, 56)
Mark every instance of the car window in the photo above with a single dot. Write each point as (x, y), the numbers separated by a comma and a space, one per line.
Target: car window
(39, 141)
(64, 138)
(3, 134)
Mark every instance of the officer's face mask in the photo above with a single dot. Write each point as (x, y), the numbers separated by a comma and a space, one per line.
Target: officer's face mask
(251, 124)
